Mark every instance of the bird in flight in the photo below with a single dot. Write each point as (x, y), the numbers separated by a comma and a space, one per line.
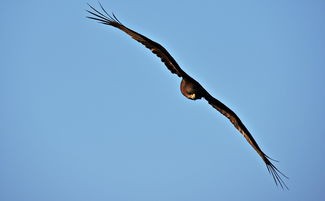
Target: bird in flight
(189, 87)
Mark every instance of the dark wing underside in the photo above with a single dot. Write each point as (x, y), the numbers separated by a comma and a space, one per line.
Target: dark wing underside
(234, 119)
(155, 47)
(172, 65)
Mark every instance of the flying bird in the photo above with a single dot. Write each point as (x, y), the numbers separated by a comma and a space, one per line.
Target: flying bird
(189, 87)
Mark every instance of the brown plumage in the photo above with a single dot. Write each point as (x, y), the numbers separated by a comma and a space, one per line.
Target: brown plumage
(190, 88)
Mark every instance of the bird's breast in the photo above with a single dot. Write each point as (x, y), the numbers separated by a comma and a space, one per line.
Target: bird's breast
(189, 90)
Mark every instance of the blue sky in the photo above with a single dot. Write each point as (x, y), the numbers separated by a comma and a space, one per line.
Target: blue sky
(89, 114)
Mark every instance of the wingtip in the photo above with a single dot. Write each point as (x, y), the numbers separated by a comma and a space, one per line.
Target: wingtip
(277, 175)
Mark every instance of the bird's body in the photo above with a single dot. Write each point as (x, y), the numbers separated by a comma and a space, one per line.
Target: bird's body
(189, 87)
(191, 90)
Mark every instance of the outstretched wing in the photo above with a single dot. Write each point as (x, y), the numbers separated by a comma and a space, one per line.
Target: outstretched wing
(155, 47)
(234, 119)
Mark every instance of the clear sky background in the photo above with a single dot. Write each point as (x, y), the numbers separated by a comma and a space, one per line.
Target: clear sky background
(87, 113)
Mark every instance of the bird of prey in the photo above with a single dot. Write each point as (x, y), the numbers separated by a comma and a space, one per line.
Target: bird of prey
(189, 87)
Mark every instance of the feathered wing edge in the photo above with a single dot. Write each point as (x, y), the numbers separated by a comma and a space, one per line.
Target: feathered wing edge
(105, 19)
(234, 119)
(155, 47)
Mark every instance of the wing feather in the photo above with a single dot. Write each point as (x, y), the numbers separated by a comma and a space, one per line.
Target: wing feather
(234, 119)
(155, 47)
